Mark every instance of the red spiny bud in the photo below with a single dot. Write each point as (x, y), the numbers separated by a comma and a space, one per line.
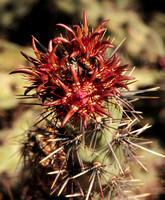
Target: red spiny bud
(78, 82)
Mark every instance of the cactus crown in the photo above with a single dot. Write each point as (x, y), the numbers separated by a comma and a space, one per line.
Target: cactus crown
(77, 83)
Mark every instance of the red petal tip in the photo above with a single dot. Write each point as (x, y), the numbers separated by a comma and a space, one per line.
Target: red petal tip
(68, 116)
(85, 24)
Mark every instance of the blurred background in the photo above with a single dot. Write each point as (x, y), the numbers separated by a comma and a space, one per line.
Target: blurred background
(143, 25)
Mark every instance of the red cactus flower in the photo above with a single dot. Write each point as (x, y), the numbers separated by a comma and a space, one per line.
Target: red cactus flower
(77, 83)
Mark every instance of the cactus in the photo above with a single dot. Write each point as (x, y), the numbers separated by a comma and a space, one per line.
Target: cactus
(83, 145)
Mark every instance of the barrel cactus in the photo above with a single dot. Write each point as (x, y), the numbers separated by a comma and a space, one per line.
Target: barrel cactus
(83, 145)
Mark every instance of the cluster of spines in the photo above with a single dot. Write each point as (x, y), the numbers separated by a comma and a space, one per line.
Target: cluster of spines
(77, 83)
(53, 156)
(86, 145)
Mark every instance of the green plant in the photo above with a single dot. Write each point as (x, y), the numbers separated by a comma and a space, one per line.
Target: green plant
(84, 144)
